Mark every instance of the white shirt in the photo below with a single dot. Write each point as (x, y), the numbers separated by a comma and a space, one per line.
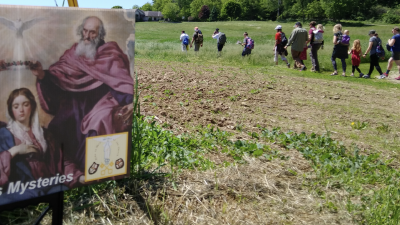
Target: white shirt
(183, 36)
(216, 36)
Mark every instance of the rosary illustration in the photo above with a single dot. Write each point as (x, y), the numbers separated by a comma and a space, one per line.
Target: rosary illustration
(14, 63)
(106, 167)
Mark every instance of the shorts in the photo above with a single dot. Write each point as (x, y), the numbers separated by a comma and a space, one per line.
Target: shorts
(219, 46)
(396, 55)
(246, 51)
(196, 47)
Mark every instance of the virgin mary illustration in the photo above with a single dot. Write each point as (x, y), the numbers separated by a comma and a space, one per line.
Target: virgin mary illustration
(24, 153)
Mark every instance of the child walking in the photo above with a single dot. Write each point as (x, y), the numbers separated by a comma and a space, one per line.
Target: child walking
(355, 57)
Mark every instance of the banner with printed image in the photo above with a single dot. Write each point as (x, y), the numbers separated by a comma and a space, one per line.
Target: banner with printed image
(66, 77)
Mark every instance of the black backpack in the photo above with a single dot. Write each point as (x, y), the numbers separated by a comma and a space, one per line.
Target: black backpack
(284, 40)
(222, 39)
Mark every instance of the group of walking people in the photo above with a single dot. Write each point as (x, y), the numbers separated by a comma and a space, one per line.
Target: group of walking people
(300, 40)
(197, 40)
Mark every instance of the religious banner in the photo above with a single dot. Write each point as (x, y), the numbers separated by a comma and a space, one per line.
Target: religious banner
(66, 77)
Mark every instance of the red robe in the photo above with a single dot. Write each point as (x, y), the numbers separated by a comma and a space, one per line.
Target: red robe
(81, 94)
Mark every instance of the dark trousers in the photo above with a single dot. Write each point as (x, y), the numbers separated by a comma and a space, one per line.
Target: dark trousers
(355, 68)
(219, 46)
(296, 58)
(333, 59)
(314, 56)
(246, 51)
(374, 63)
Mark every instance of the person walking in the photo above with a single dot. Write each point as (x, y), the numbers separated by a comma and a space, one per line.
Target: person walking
(185, 41)
(373, 43)
(221, 37)
(355, 57)
(339, 50)
(280, 42)
(315, 46)
(196, 29)
(248, 44)
(297, 40)
(197, 39)
(394, 43)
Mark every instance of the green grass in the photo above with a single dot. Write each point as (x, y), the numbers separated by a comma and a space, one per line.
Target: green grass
(161, 41)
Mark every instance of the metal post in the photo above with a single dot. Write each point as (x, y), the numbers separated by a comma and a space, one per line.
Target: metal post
(58, 208)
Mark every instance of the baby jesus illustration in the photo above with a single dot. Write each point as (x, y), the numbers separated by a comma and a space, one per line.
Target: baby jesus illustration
(107, 146)
(93, 168)
(119, 163)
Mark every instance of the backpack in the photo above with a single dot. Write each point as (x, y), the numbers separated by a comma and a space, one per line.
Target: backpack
(199, 38)
(284, 40)
(222, 39)
(380, 52)
(249, 43)
(185, 40)
(318, 37)
(388, 47)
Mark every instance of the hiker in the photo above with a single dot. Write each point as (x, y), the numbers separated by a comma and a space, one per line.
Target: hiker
(297, 40)
(221, 37)
(315, 38)
(185, 41)
(197, 39)
(355, 57)
(248, 44)
(394, 44)
(339, 50)
(374, 42)
(196, 29)
(280, 43)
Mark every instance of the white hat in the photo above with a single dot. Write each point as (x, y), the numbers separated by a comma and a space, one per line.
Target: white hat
(279, 27)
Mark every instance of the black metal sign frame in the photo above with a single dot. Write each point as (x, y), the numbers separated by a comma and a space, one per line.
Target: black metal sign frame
(55, 201)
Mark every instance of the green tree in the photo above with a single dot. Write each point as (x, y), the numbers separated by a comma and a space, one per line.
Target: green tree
(251, 9)
(204, 12)
(232, 9)
(337, 9)
(170, 11)
(315, 10)
(135, 7)
(196, 5)
(158, 5)
(117, 7)
(184, 6)
(213, 14)
(147, 7)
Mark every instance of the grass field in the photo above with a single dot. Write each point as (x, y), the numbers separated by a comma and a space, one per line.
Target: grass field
(240, 141)
(161, 41)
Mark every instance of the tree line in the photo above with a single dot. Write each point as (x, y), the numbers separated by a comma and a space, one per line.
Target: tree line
(212, 10)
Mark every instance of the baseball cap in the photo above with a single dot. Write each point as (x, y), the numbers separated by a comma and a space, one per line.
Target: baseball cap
(279, 27)
(217, 29)
(371, 32)
(297, 24)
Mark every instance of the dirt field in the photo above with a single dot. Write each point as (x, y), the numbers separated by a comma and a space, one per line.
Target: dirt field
(184, 96)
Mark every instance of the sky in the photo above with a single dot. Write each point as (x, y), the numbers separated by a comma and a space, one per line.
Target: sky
(126, 4)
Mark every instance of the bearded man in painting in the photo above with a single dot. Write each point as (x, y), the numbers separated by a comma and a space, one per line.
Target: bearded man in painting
(84, 90)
